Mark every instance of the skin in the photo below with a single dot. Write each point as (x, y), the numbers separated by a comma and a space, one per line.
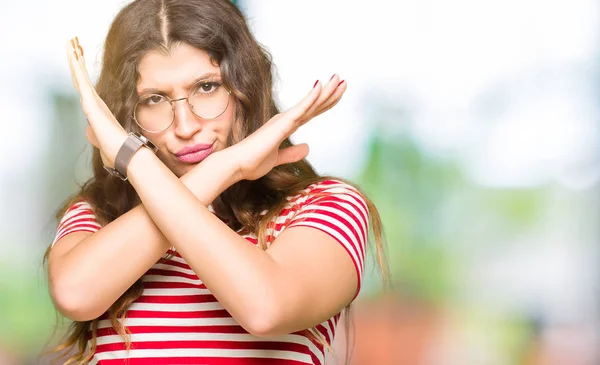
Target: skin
(306, 276)
(173, 74)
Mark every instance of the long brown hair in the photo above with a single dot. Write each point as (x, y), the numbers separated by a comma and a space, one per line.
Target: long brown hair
(219, 28)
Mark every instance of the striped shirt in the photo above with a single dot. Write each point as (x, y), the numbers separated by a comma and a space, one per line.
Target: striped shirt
(177, 320)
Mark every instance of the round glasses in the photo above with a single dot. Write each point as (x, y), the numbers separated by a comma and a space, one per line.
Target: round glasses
(155, 113)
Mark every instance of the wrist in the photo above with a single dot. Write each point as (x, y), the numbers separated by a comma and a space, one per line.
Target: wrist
(112, 146)
(228, 172)
(128, 149)
(219, 165)
(211, 177)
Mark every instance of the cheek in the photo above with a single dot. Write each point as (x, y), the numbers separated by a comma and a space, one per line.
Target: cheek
(231, 130)
(155, 139)
(160, 143)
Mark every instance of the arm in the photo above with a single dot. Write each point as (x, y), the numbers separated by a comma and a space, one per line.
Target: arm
(267, 292)
(114, 257)
(305, 277)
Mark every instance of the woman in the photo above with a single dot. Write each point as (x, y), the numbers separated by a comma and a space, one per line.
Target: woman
(206, 238)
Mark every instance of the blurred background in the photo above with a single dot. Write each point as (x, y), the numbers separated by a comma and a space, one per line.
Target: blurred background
(473, 125)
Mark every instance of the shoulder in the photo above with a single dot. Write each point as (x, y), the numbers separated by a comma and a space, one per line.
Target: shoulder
(329, 190)
(79, 216)
(330, 202)
(80, 209)
(338, 209)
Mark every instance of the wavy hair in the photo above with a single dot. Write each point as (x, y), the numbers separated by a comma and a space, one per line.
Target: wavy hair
(219, 28)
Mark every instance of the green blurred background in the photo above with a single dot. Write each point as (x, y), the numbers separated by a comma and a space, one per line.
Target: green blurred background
(473, 125)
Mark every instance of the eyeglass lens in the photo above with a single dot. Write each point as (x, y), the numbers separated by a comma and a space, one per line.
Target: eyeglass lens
(207, 99)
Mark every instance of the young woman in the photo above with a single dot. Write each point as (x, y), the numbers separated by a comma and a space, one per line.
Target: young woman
(204, 236)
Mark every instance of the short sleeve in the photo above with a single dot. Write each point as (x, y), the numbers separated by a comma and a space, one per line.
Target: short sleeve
(78, 218)
(339, 210)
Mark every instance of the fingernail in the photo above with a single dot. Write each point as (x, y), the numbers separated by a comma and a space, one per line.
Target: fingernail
(315, 83)
(332, 77)
(77, 40)
(72, 43)
(76, 57)
(80, 50)
(341, 82)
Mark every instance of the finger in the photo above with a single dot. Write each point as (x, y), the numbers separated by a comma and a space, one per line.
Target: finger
(79, 48)
(90, 100)
(286, 123)
(327, 108)
(81, 59)
(292, 154)
(73, 59)
(300, 109)
(91, 136)
(328, 90)
(333, 99)
(70, 59)
(78, 69)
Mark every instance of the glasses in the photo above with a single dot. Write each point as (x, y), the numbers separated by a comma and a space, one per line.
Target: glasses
(155, 113)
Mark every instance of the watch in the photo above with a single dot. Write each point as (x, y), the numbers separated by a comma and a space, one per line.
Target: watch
(133, 143)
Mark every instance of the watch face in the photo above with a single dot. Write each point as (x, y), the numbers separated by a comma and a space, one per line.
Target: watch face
(141, 137)
(146, 142)
(151, 146)
(115, 173)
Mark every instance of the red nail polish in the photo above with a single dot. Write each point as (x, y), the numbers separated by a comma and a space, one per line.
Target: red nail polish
(332, 77)
(341, 82)
(316, 83)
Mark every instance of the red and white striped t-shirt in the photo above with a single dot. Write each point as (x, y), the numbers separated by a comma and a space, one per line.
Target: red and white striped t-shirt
(178, 321)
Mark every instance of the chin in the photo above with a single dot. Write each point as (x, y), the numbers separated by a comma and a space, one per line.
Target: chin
(182, 170)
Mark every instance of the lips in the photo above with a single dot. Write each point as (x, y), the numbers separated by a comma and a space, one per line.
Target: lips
(195, 153)
(192, 149)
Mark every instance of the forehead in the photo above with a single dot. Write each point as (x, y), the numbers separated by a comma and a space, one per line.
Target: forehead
(176, 70)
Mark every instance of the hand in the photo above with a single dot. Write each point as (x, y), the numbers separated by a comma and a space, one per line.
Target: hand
(104, 130)
(259, 153)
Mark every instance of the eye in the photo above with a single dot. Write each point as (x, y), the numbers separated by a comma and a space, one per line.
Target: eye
(205, 87)
(153, 100)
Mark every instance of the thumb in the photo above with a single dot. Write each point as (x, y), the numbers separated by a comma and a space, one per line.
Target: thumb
(292, 154)
(91, 136)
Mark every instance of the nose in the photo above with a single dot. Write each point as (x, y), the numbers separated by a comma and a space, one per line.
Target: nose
(186, 123)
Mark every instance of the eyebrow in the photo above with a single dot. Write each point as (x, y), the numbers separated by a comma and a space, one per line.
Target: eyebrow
(205, 77)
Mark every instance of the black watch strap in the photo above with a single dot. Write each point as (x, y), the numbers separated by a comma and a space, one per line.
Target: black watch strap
(133, 143)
